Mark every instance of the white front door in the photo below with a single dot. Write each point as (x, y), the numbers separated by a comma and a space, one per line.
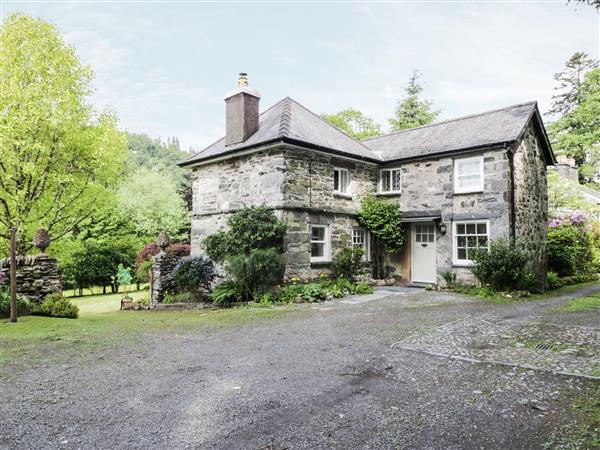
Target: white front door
(423, 253)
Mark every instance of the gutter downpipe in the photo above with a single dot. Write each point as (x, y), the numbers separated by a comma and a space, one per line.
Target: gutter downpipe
(513, 208)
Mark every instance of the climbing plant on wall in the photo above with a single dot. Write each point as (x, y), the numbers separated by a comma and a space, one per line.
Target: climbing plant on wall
(383, 218)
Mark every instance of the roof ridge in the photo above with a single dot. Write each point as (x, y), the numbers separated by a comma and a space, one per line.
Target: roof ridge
(455, 119)
(333, 126)
(285, 117)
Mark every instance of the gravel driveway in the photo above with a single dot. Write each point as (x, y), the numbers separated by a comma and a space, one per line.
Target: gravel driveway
(324, 376)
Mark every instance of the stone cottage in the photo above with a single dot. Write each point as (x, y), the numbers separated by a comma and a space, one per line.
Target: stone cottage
(460, 183)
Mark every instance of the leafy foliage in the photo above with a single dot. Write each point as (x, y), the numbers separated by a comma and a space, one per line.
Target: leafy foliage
(383, 218)
(411, 111)
(142, 273)
(450, 278)
(194, 273)
(123, 275)
(55, 305)
(503, 267)
(255, 273)
(151, 200)
(227, 293)
(59, 158)
(347, 262)
(249, 228)
(354, 123)
(570, 248)
(23, 304)
(146, 253)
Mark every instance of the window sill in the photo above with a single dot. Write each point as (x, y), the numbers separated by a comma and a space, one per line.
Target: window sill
(389, 193)
(477, 191)
(462, 263)
(320, 263)
(342, 195)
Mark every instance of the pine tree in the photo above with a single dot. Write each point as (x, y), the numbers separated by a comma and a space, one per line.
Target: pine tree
(570, 82)
(411, 111)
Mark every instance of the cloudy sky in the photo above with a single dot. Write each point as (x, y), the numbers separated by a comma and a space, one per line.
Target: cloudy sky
(164, 67)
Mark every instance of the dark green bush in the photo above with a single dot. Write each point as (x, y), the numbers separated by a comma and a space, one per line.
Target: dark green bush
(194, 274)
(554, 281)
(248, 229)
(570, 250)
(347, 262)
(226, 293)
(503, 267)
(363, 288)
(255, 273)
(55, 305)
(142, 273)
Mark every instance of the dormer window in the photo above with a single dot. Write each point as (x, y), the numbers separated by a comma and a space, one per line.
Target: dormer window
(468, 175)
(341, 181)
(390, 181)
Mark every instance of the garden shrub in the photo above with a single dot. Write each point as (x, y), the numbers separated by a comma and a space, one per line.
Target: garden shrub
(248, 229)
(142, 272)
(554, 281)
(194, 273)
(450, 278)
(503, 267)
(363, 288)
(181, 297)
(23, 304)
(570, 245)
(289, 294)
(347, 262)
(141, 303)
(146, 254)
(178, 250)
(227, 293)
(55, 305)
(255, 273)
(383, 218)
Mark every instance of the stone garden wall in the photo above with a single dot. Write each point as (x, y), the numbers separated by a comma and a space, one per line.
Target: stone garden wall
(162, 276)
(37, 276)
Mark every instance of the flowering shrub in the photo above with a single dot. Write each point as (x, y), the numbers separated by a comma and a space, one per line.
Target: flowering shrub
(571, 245)
(147, 252)
(194, 273)
(178, 250)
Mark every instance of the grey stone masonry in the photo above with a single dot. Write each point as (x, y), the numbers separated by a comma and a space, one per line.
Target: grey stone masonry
(162, 276)
(37, 276)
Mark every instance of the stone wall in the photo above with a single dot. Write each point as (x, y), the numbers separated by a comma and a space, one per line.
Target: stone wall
(162, 277)
(531, 200)
(37, 276)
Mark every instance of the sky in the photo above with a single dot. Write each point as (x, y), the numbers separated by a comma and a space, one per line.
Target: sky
(164, 67)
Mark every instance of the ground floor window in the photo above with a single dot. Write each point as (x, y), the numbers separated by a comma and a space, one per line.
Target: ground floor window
(360, 239)
(319, 243)
(468, 236)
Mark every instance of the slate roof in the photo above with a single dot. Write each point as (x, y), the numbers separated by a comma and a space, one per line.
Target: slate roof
(289, 121)
(486, 129)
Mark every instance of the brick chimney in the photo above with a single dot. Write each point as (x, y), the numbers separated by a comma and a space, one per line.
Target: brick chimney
(241, 112)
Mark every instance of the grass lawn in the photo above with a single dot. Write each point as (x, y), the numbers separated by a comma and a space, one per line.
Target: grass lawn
(102, 325)
(97, 290)
(589, 303)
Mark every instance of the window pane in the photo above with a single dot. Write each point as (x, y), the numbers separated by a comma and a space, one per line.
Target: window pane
(470, 228)
(471, 241)
(317, 250)
(460, 228)
(468, 166)
(462, 253)
(482, 241)
(343, 181)
(336, 180)
(461, 241)
(396, 184)
(481, 228)
(317, 234)
(385, 180)
(431, 237)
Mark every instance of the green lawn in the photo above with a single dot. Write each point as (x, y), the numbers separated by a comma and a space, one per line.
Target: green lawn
(102, 325)
(589, 303)
(97, 290)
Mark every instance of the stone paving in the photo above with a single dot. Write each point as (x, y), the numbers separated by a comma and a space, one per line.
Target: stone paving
(534, 345)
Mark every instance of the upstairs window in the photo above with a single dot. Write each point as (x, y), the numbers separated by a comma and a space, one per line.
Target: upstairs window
(390, 180)
(468, 174)
(341, 180)
(469, 236)
(360, 239)
(319, 243)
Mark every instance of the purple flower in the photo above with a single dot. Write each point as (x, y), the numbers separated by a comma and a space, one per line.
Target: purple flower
(578, 218)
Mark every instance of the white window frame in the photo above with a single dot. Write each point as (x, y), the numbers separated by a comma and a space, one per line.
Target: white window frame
(463, 190)
(455, 235)
(366, 244)
(338, 191)
(326, 243)
(388, 172)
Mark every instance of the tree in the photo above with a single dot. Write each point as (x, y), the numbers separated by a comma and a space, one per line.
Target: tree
(569, 89)
(354, 123)
(411, 111)
(151, 201)
(59, 158)
(564, 196)
(577, 133)
(594, 3)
